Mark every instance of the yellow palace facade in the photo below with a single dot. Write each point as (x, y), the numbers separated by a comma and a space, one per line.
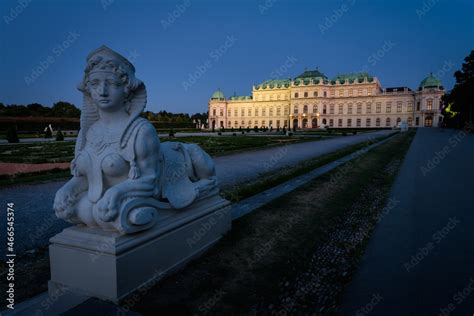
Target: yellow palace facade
(311, 100)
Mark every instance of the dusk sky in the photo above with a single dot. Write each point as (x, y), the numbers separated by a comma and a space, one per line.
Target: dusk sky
(184, 50)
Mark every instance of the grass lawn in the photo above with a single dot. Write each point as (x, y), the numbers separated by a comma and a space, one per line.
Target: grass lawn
(64, 151)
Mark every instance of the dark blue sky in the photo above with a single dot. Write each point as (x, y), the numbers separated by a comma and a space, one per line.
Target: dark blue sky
(226, 44)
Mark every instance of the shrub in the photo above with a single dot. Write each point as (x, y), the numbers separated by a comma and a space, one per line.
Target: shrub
(59, 136)
(171, 133)
(12, 135)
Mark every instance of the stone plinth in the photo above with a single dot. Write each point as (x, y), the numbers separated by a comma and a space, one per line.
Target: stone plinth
(109, 265)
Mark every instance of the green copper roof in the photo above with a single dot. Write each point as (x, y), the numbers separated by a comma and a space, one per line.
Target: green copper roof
(311, 74)
(218, 95)
(353, 77)
(430, 81)
(274, 83)
(240, 97)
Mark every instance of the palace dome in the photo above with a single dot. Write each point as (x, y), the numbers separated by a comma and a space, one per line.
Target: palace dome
(430, 82)
(218, 95)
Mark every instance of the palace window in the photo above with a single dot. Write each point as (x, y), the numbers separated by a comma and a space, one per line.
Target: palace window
(410, 107)
(263, 123)
(271, 111)
(221, 112)
(331, 109)
(333, 93)
(214, 112)
(341, 93)
(378, 107)
(287, 110)
(387, 122)
(242, 113)
(358, 122)
(296, 94)
(324, 109)
(399, 106)
(250, 112)
(417, 121)
(305, 109)
(295, 110)
(429, 105)
(236, 124)
(236, 113)
(256, 123)
(359, 108)
(369, 108)
(398, 120)
(410, 121)
(369, 92)
(339, 122)
(270, 123)
(417, 106)
(264, 112)
(278, 123)
(278, 111)
(228, 113)
(388, 107)
(315, 93)
(377, 121)
(340, 109)
(250, 123)
(331, 122)
(315, 109)
(325, 94)
(349, 122)
(367, 122)
(306, 94)
(349, 108)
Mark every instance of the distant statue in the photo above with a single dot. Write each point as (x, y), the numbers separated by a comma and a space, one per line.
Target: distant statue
(122, 175)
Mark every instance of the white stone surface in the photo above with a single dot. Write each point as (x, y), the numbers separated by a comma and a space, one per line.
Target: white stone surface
(122, 175)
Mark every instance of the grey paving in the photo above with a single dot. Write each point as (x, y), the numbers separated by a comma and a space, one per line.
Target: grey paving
(420, 258)
(35, 222)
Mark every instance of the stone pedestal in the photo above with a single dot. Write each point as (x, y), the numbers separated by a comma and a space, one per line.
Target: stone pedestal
(110, 266)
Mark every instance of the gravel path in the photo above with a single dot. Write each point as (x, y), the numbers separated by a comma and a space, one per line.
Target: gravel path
(35, 221)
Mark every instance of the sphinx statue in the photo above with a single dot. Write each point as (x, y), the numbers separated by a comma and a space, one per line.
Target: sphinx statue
(122, 176)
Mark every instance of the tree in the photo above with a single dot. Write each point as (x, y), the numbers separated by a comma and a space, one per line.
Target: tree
(65, 109)
(459, 109)
(59, 136)
(12, 135)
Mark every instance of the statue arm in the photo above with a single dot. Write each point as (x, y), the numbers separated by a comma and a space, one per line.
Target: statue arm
(67, 196)
(147, 146)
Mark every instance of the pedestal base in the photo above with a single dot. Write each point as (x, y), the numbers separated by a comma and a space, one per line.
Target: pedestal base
(111, 266)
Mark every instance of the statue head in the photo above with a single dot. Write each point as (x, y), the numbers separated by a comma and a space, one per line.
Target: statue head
(109, 84)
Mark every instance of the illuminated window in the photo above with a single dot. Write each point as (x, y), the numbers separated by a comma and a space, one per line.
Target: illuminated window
(378, 107)
(399, 106)
(429, 105)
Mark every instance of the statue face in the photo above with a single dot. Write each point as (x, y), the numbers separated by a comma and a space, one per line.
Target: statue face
(107, 90)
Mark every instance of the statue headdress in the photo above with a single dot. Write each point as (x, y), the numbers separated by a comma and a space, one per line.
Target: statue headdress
(104, 58)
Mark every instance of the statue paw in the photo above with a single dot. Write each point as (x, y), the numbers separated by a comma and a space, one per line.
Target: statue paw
(64, 204)
(107, 207)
